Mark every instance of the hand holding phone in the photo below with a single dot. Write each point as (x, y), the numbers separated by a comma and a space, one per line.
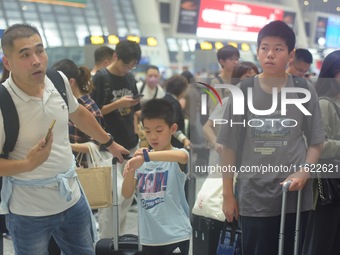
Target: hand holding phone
(49, 132)
(137, 96)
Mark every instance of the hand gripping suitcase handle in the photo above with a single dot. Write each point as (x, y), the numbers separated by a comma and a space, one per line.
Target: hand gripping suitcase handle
(125, 157)
(286, 185)
(285, 189)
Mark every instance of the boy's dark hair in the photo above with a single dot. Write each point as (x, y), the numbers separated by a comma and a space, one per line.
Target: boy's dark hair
(151, 67)
(227, 51)
(128, 51)
(17, 31)
(102, 53)
(176, 85)
(158, 109)
(303, 55)
(279, 29)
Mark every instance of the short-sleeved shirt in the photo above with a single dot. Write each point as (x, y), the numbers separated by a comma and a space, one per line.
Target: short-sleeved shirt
(119, 123)
(269, 142)
(162, 206)
(35, 115)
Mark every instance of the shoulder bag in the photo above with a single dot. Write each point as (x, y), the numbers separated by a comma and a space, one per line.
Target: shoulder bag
(96, 180)
(209, 199)
(329, 188)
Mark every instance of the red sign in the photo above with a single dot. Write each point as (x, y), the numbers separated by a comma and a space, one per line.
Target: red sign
(238, 21)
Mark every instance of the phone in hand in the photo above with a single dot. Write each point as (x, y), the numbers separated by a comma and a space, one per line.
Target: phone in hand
(49, 132)
(137, 96)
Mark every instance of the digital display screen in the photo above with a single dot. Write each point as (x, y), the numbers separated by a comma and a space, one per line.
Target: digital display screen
(333, 32)
(222, 19)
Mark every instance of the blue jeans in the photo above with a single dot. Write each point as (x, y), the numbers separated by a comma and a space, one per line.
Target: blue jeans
(71, 230)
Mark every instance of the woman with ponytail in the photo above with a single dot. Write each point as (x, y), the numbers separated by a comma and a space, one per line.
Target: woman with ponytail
(81, 84)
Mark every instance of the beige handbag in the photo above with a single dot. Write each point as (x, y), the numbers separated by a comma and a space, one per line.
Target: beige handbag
(96, 180)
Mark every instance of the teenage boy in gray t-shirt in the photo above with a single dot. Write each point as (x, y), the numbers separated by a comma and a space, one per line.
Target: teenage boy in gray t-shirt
(275, 141)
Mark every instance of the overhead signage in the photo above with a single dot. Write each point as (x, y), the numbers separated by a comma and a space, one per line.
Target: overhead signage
(231, 20)
(114, 39)
(188, 16)
(71, 3)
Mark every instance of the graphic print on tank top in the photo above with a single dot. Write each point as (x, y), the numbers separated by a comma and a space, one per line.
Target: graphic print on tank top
(152, 187)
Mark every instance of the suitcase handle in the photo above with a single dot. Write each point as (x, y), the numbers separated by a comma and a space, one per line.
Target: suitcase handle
(285, 189)
(286, 185)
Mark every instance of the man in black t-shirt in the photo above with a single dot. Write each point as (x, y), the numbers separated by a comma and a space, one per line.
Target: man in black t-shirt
(115, 88)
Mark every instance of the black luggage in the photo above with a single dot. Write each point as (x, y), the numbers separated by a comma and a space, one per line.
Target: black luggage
(205, 235)
(118, 245)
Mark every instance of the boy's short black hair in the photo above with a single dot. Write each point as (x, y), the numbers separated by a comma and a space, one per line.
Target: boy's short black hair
(279, 29)
(158, 109)
(128, 51)
(304, 55)
(102, 53)
(227, 51)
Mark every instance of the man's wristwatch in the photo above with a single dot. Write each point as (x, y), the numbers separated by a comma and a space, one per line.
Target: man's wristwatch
(109, 142)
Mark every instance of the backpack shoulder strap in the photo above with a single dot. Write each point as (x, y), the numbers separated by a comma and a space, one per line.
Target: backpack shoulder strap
(142, 88)
(156, 92)
(58, 82)
(131, 79)
(10, 119)
(104, 73)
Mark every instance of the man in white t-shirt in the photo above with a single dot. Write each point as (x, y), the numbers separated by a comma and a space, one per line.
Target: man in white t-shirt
(40, 194)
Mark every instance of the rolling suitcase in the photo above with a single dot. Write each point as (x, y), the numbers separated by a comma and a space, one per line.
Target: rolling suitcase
(285, 188)
(205, 235)
(118, 245)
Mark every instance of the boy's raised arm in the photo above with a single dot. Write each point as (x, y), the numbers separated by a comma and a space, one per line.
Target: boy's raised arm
(179, 156)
